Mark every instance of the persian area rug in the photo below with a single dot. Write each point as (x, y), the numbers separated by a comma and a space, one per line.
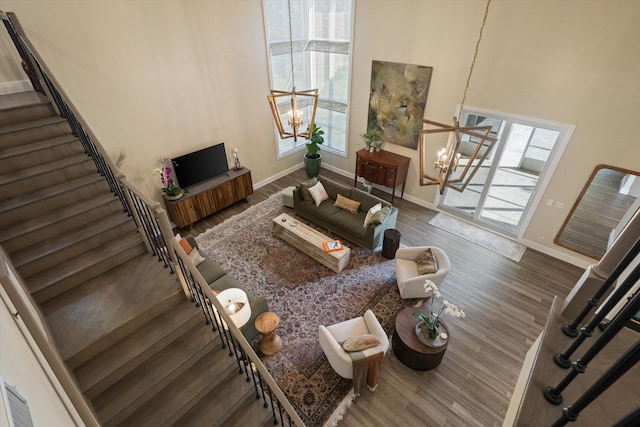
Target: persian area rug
(486, 239)
(304, 294)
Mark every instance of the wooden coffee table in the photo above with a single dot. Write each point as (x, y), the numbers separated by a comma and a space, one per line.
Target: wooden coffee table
(409, 350)
(310, 242)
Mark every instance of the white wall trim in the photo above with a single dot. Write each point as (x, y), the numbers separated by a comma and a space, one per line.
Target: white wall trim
(556, 254)
(7, 88)
(277, 176)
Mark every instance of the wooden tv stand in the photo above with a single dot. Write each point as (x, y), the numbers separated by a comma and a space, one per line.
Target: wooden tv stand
(210, 196)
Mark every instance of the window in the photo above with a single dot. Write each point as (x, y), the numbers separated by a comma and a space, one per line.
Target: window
(321, 33)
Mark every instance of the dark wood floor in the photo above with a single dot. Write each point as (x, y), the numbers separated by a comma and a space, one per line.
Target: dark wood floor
(506, 303)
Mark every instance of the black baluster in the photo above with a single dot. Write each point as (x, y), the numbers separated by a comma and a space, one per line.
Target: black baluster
(619, 368)
(554, 394)
(563, 360)
(571, 330)
(632, 419)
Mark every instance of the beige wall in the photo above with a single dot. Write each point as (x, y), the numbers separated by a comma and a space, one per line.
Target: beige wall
(165, 77)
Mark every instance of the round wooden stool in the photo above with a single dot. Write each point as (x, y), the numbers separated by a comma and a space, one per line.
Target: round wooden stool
(267, 324)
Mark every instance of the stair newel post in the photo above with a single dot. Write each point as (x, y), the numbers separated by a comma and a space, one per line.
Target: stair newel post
(563, 359)
(554, 394)
(617, 370)
(571, 329)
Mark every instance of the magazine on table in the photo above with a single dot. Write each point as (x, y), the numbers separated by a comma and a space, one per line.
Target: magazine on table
(332, 245)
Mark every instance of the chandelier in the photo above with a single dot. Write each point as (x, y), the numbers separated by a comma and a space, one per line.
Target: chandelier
(298, 102)
(451, 157)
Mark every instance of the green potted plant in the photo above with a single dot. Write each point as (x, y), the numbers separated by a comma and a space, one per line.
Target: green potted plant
(313, 158)
(372, 139)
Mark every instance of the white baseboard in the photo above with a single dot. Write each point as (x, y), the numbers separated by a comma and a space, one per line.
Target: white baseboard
(7, 88)
(556, 254)
(277, 176)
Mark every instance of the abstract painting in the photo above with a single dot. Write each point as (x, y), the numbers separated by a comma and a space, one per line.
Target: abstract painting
(397, 101)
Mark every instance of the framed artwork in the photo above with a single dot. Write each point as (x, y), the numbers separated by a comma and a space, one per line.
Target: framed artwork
(397, 101)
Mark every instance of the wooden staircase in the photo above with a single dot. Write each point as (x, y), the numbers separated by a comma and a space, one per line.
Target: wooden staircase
(141, 353)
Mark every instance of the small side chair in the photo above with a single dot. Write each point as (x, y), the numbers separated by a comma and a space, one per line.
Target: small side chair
(410, 282)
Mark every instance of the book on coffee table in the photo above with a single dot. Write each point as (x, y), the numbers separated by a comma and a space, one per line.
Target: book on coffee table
(332, 245)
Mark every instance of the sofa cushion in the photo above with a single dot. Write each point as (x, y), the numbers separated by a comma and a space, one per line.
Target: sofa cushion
(360, 342)
(333, 188)
(210, 270)
(366, 200)
(426, 262)
(370, 213)
(318, 193)
(304, 189)
(196, 258)
(347, 204)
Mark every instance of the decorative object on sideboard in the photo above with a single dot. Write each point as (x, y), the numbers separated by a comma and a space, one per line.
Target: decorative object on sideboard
(170, 190)
(313, 158)
(449, 158)
(427, 329)
(372, 140)
(236, 160)
(299, 102)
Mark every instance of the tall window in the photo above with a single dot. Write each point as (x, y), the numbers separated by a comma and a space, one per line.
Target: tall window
(322, 32)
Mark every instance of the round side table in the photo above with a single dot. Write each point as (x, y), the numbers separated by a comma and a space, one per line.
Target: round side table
(267, 324)
(408, 349)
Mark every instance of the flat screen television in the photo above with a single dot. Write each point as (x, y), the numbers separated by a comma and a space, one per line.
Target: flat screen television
(200, 165)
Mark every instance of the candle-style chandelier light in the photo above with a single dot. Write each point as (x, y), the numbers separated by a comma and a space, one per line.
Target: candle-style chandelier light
(450, 157)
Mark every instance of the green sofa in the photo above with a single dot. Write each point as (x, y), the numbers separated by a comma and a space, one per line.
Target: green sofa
(219, 280)
(342, 222)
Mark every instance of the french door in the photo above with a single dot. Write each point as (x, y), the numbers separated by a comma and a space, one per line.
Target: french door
(502, 194)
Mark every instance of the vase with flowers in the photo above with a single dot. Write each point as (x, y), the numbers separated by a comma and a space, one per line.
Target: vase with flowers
(427, 329)
(170, 189)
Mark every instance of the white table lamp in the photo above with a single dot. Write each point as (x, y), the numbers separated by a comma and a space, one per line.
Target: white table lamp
(236, 305)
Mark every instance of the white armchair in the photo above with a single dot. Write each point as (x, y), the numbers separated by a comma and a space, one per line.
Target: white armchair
(410, 283)
(332, 336)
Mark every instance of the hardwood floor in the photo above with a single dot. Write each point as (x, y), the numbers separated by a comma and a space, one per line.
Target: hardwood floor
(506, 304)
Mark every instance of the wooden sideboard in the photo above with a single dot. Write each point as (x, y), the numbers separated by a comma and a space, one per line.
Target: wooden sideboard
(210, 196)
(382, 168)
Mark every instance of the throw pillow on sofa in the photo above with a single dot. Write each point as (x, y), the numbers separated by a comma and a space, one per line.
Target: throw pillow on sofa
(379, 216)
(426, 262)
(347, 204)
(372, 211)
(318, 193)
(304, 188)
(359, 343)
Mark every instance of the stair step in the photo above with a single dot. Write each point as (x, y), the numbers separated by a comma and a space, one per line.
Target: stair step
(72, 272)
(47, 253)
(183, 393)
(31, 111)
(119, 359)
(46, 175)
(233, 404)
(53, 223)
(35, 153)
(28, 205)
(108, 308)
(143, 385)
(33, 130)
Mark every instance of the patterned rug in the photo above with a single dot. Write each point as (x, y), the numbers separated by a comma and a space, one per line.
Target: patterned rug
(304, 294)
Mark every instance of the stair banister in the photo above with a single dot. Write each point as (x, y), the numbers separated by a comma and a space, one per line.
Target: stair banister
(27, 311)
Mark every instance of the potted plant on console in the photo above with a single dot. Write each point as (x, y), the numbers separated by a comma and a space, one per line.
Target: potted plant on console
(170, 190)
(372, 140)
(313, 158)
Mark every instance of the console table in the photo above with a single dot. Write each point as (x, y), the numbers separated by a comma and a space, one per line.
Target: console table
(382, 168)
(210, 196)
(409, 350)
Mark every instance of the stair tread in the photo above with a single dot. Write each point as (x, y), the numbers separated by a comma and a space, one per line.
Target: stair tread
(72, 266)
(166, 366)
(107, 302)
(49, 246)
(109, 361)
(34, 196)
(49, 218)
(14, 176)
(246, 409)
(16, 127)
(17, 150)
(12, 101)
(178, 397)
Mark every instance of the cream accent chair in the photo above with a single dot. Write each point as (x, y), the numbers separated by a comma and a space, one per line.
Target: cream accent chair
(410, 283)
(332, 336)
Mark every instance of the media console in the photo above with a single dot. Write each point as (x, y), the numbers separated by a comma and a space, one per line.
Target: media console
(210, 196)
